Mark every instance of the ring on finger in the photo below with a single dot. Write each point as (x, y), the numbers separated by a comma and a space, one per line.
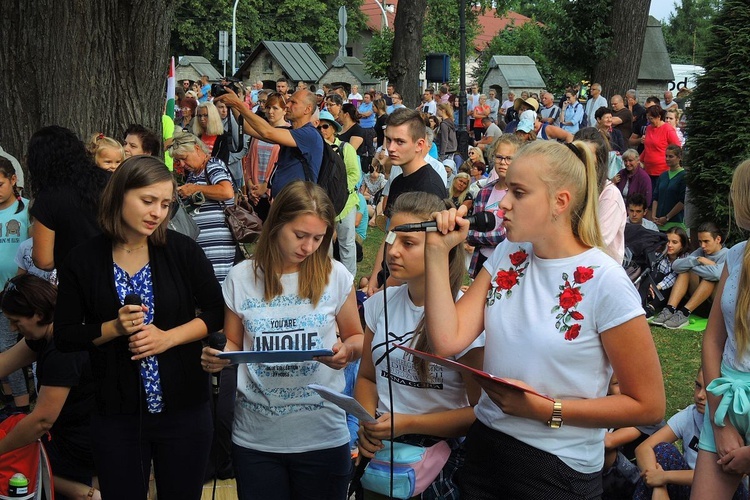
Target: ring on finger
(133, 322)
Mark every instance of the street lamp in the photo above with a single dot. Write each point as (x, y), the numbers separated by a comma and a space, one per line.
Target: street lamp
(385, 17)
(234, 36)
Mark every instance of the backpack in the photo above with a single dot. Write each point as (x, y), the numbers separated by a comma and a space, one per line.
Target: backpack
(29, 460)
(332, 174)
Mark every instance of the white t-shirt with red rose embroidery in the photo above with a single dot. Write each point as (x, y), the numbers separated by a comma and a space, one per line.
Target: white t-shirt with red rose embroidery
(543, 318)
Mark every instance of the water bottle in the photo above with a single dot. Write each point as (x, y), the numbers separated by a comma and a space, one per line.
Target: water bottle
(18, 486)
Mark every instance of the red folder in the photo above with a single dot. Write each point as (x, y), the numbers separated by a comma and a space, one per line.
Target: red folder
(455, 365)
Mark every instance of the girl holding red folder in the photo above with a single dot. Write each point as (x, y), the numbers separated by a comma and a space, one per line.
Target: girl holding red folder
(559, 316)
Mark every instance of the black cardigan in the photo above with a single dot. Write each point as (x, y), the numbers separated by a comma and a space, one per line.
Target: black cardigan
(183, 281)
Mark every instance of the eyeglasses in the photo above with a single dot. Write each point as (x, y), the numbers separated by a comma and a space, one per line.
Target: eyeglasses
(324, 126)
(329, 104)
(503, 159)
(263, 101)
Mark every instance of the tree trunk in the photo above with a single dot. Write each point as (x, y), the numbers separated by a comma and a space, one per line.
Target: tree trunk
(406, 57)
(619, 72)
(91, 66)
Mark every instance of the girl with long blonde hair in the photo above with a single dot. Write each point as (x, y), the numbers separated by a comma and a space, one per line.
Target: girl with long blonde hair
(559, 317)
(723, 446)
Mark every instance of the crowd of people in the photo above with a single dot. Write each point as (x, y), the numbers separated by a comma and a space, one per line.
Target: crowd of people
(115, 306)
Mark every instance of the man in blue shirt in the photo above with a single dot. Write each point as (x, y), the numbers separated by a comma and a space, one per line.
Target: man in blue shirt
(301, 138)
(205, 89)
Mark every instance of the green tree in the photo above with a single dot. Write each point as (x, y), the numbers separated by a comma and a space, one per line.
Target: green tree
(441, 30)
(713, 156)
(441, 35)
(377, 57)
(687, 30)
(582, 36)
(197, 23)
(532, 40)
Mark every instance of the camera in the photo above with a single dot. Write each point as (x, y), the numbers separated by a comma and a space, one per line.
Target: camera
(197, 199)
(217, 90)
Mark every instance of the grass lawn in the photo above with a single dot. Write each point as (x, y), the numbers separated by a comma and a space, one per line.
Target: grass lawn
(679, 350)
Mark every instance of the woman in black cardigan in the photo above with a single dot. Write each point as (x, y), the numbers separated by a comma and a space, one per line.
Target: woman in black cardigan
(153, 396)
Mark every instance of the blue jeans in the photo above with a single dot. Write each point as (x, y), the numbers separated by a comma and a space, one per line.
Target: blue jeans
(311, 475)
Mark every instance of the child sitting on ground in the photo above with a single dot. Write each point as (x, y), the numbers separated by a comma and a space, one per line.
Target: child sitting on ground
(697, 275)
(665, 472)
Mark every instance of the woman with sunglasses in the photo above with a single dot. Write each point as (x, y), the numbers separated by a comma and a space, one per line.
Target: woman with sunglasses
(208, 178)
(345, 221)
(262, 157)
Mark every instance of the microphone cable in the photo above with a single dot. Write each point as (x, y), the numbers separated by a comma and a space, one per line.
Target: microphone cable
(389, 239)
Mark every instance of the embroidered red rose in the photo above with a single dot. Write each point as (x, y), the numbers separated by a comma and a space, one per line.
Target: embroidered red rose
(507, 279)
(573, 332)
(569, 298)
(576, 315)
(583, 274)
(517, 258)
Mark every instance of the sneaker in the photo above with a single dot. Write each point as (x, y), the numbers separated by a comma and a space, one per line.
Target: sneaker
(677, 321)
(662, 317)
(650, 312)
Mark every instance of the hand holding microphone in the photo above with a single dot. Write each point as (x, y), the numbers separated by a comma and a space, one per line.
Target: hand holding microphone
(449, 228)
(129, 318)
(210, 363)
(482, 221)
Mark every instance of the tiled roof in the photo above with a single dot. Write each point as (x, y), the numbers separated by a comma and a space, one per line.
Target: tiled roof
(298, 60)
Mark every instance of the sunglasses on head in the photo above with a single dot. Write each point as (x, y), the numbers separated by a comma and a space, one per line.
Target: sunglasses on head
(280, 96)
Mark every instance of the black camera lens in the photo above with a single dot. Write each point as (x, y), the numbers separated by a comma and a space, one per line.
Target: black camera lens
(217, 90)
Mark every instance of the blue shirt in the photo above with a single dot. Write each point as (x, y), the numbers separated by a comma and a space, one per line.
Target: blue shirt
(141, 284)
(288, 167)
(574, 114)
(366, 122)
(205, 90)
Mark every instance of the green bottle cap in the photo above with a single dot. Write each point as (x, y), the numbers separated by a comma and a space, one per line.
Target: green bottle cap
(18, 479)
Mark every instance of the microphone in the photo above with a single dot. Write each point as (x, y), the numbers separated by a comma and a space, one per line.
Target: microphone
(133, 299)
(482, 222)
(216, 340)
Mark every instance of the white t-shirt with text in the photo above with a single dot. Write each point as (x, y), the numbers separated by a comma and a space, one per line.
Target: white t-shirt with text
(274, 409)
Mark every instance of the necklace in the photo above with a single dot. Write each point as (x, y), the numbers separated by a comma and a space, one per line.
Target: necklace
(130, 250)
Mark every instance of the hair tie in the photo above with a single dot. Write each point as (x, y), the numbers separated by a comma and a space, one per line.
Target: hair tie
(576, 151)
(100, 136)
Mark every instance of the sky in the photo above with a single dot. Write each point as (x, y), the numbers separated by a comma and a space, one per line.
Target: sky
(661, 9)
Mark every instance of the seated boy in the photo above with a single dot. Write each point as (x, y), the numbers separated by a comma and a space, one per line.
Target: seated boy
(697, 274)
(637, 211)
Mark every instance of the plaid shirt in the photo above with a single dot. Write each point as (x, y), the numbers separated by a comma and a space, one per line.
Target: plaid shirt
(487, 239)
(665, 267)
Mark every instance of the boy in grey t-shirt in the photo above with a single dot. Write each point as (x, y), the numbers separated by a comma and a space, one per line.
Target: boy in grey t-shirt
(697, 275)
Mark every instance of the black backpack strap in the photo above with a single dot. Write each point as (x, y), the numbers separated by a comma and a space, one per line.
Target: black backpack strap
(305, 164)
